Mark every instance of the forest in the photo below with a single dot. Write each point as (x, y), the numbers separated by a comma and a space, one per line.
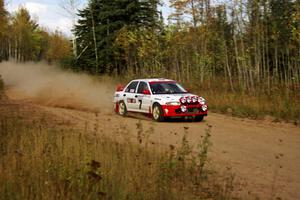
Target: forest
(22, 39)
(243, 55)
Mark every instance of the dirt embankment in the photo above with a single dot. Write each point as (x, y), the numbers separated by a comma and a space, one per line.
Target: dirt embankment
(264, 156)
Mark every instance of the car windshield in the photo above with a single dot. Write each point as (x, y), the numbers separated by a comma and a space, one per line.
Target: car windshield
(166, 88)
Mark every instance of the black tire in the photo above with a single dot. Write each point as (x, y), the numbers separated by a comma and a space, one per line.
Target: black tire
(157, 113)
(199, 118)
(122, 110)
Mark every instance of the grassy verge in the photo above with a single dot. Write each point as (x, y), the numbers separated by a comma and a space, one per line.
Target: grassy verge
(279, 107)
(38, 162)
(280, 103)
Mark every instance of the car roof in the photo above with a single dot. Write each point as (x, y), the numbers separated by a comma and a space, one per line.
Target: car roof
(154, 80)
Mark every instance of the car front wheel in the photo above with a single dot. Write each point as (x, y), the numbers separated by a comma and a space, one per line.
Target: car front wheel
(157, 113)
(122, 108)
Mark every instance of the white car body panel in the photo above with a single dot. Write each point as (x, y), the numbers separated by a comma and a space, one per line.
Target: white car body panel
(137, 102)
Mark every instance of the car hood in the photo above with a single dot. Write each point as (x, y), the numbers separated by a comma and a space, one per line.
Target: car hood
(171, 97)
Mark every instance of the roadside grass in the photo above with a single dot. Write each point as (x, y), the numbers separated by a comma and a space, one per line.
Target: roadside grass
(280, 104)
(40, 162)
(1, 87)
(255, 107)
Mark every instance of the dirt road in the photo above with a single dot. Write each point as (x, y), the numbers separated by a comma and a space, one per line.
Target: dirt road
(264, 156)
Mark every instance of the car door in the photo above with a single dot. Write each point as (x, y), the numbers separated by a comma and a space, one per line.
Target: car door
(130, 96)
(144, 100)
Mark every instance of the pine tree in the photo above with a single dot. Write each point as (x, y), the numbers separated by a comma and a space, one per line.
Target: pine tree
(98, 26)
(25, 39)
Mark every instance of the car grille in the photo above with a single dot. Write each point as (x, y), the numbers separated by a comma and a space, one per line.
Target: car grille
(189, 110)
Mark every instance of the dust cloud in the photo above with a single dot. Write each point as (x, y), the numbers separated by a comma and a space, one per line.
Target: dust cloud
(48, 85)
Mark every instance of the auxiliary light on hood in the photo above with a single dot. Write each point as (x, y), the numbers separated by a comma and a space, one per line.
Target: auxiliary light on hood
(192, 100)
(188, 99)
(201, 100)
(183, 100)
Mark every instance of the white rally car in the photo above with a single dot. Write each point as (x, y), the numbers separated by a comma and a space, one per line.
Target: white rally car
(160, 98)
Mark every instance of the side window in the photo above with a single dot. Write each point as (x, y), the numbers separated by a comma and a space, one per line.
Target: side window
(131, 87)
(142, 86)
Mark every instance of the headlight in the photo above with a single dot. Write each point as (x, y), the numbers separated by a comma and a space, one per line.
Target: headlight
(204, 108)
(183, 109)
(173, 103)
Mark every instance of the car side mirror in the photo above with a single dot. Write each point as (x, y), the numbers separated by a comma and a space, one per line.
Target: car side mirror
(146, 92)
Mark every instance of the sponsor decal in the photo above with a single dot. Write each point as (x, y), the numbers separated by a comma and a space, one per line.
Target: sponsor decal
(130, 100)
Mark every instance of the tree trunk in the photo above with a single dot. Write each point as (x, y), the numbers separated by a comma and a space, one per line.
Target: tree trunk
(95, 42)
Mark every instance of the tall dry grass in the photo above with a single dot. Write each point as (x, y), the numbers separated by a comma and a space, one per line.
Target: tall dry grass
(1, 86)
(39, 162)
(282, 102)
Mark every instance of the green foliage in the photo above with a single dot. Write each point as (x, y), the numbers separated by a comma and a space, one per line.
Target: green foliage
(98, 26)
(4, 32)
(140, 51)
(26, 36)
(59, 48)
(22, 39)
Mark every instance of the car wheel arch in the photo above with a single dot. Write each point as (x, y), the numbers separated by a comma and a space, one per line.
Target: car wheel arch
(153, 104)
(161, 117)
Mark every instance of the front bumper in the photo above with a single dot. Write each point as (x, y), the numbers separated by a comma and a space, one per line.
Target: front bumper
(175, 111)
